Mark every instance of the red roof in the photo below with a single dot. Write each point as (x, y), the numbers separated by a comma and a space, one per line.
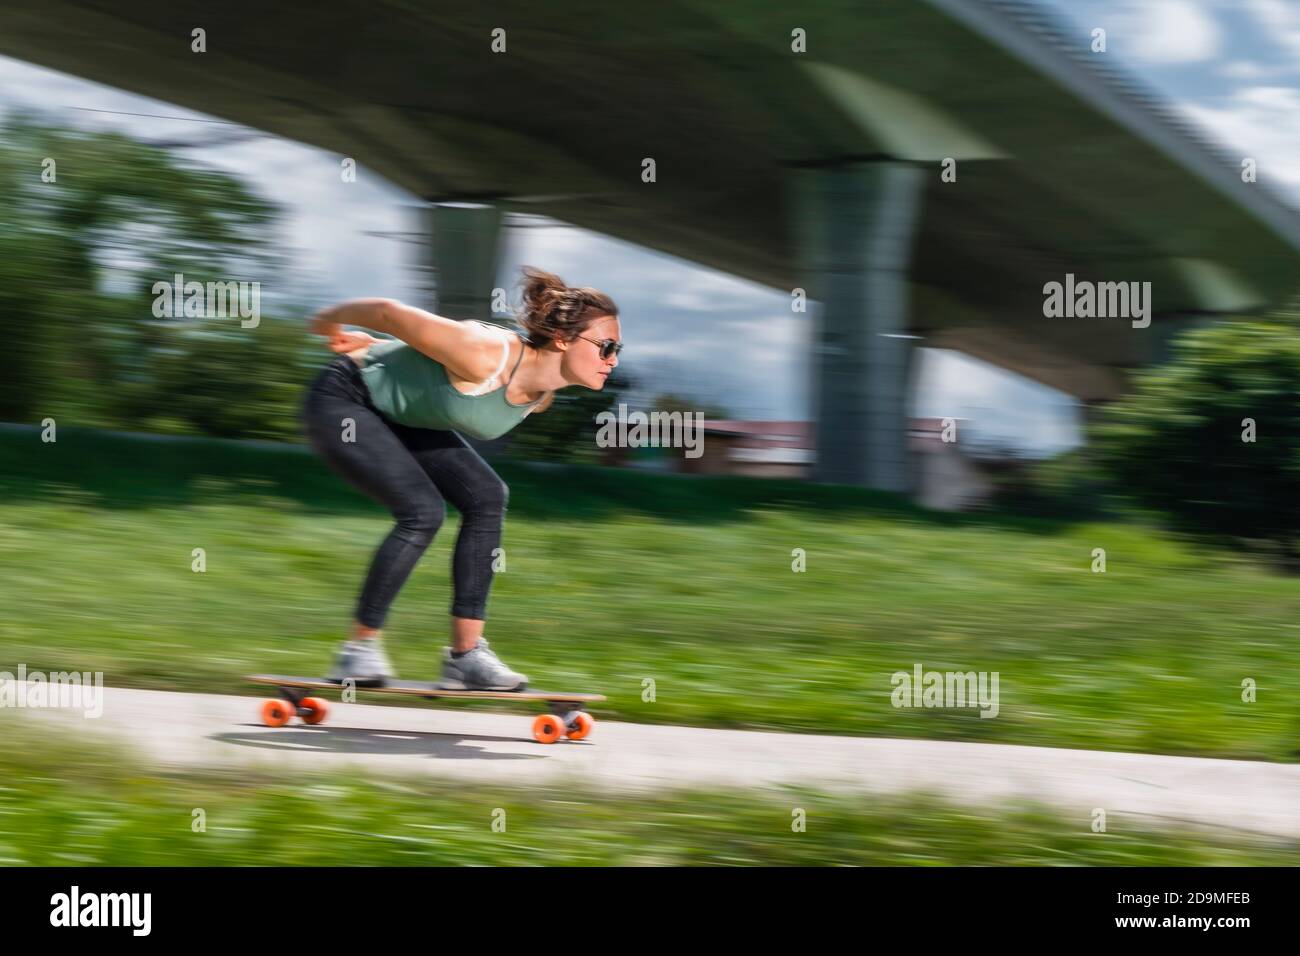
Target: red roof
(795, 434)
(799, 433)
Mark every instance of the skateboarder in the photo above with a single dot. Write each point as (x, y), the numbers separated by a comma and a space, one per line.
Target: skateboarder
(386, 414)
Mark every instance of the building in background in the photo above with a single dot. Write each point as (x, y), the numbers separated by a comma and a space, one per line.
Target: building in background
(760, 449)
(950, 476)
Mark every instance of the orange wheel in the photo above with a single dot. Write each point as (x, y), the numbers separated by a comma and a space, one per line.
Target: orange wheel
(314, 710)
(582, 725)
(547, 729)
(276, 713)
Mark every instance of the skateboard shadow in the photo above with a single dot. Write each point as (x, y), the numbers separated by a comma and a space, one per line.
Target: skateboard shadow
(349, 740)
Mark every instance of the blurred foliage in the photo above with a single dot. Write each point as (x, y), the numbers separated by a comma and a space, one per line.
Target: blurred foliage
(79, 257)
(1069, 486)
(89, 221)
(670, 402)
(566, 432)
(1175, 443)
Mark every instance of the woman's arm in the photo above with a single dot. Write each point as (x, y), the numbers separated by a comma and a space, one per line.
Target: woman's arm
(468, 349)
(362, 312)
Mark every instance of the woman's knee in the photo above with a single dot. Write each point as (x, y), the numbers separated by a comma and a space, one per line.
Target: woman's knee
(421, 519)
(492, 497)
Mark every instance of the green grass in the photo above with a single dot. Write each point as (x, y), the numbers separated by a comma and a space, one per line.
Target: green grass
(615, 577)
(65, 804)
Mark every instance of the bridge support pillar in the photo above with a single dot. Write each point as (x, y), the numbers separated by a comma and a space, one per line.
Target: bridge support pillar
(463, 254)
(855, 225)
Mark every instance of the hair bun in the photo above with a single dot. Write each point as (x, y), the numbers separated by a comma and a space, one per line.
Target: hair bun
(552, 310)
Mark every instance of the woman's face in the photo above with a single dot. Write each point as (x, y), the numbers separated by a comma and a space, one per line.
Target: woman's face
(582, 364)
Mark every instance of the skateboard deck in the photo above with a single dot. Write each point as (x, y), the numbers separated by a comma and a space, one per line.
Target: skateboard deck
(567, 718)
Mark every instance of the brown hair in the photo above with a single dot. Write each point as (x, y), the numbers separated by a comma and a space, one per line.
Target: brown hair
(553, 311)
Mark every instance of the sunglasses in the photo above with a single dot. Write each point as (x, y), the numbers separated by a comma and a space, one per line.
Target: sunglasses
(608, 347)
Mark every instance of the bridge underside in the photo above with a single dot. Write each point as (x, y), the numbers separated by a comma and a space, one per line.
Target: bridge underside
(818, 170)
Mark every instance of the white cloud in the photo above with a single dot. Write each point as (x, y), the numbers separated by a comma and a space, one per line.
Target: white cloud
(1258, 122)
(1279, 98)
(707, 291)
(1244, 70)
(1279, 20)
(1000, 405)
(1167, 31)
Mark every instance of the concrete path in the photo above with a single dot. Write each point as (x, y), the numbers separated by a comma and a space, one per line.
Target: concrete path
(443, 740)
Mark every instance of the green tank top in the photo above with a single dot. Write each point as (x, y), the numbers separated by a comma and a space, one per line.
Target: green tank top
(412, 389)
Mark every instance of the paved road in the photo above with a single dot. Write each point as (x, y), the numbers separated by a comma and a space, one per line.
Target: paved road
(181, 730)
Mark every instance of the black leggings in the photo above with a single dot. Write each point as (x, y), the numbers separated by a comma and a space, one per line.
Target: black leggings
(410, 471)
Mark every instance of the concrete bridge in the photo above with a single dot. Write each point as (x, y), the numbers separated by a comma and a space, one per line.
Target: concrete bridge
(800, 146)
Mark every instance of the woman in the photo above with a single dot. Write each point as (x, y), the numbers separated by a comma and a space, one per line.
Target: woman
(385, 415)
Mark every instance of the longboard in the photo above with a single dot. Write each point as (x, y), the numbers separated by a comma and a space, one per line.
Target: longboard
(567, 718)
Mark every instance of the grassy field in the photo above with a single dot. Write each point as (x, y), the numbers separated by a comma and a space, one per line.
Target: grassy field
(615, 578)
(63, 804)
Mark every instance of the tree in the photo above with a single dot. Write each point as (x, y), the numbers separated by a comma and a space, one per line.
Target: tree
(672, 402)
(566, 432)
(1212, 439)
(89, 221)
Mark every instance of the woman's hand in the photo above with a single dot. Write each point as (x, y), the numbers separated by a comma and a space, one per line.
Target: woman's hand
(325, 323)
(345, 340)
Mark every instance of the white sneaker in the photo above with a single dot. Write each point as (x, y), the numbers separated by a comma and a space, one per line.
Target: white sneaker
(364, 662)
(479, 669)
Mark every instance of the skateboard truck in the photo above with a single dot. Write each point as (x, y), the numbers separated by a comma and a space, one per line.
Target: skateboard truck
(294, 695)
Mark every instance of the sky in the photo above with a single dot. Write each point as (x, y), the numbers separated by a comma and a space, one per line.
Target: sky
(1231, 67)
